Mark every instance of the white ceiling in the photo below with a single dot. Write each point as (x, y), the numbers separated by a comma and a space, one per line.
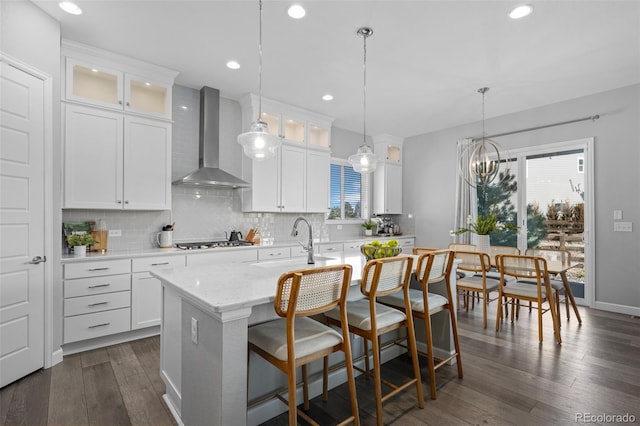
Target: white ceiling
(425, 61)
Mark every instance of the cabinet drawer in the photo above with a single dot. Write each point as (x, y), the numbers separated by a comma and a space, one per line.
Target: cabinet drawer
(330, 248)
(407, 244)
(214, 257)
(96, 303)
(98, 268)
(88, 326)
(273, 253)
(150, 263)
(353, 247)
(97, 285)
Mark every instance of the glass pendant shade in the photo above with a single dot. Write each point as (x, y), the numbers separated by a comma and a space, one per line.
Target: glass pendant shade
(258, 144)
(364, 161)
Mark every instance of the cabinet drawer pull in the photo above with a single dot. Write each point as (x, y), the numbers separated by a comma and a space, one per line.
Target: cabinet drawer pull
(98, 304)
(99, 325)
(275, 254)
(330, 249)
(147, 278)
(99, 285)
(159, 264)
(98, 269)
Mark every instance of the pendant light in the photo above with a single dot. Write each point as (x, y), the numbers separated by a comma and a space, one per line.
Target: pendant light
(258, 144)
(364, 161)
(482, 157)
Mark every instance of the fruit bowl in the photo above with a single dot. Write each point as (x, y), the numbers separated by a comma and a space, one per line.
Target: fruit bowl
(378, 251)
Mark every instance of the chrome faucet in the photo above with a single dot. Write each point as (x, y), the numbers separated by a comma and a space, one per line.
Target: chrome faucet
(309, 247)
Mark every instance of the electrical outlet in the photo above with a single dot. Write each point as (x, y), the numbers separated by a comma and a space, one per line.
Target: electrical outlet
(194, 330)
(339, 227)
(623, 226)
(617, 215)
(115, 233)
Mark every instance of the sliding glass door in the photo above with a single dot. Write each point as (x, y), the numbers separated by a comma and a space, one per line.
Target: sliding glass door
(546, 191)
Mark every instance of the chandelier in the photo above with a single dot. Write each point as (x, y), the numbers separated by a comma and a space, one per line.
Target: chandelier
(258, 144)
(364, 161)
(479, 162)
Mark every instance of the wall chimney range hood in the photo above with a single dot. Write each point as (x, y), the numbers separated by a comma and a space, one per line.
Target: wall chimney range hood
(209, 172)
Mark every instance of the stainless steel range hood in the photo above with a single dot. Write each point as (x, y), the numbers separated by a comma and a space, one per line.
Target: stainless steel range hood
(209, 172)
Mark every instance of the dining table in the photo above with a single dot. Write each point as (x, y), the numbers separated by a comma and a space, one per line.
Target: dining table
(561, 267)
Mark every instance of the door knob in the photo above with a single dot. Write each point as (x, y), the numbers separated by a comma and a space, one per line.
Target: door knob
(38, 259)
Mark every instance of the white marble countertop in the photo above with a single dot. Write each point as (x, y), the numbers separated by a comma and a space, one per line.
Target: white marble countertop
(125, 254)
(234, 286)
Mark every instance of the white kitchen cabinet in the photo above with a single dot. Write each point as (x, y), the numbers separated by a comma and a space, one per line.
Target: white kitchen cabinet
(327, 249)
(97, 299)
(387, 179)
(114, 161)
(215, 256)
(146, 290)
(318, 177)
(387, 187)
(106, 86)
(279, 184)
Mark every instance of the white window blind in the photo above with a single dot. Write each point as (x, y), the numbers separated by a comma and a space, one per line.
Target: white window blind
(349, 192)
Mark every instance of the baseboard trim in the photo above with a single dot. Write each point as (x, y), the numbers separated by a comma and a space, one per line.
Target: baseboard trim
(172, 410)
(114, 339)
(621, 309)
(56, 357)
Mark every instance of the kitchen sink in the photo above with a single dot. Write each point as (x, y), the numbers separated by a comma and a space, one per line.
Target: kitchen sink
(298, 262)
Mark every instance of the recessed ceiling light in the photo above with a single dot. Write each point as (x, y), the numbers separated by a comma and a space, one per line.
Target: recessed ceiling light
(94, 69)
(70, 7)
(233, 65)
(521, 11)
(296, 11)
(184, 107)
(327, 97)
(147, 83)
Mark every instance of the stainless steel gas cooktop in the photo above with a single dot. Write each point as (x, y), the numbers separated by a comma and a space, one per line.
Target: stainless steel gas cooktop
(203, 245)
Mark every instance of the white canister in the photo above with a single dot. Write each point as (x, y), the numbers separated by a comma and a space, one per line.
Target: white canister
(165, 239)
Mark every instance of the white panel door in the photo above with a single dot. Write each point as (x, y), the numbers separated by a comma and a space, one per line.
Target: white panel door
(21, 224)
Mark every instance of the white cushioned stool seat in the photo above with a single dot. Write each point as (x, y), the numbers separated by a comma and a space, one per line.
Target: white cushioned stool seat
(476, 282)
(417, 303)
(311, 336)
(358, 314)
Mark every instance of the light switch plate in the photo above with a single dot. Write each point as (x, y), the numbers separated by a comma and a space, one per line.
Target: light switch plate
(617, 215)
(623, 226)
(115, 232)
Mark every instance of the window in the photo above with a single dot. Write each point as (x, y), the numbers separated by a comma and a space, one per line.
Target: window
(348, 197)
(580, 164)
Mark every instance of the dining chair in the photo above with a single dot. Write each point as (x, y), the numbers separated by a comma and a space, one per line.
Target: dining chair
(369, 319)
(527, 269)
(478, 265)
(294, 340)
(433, 267)
(557, 285)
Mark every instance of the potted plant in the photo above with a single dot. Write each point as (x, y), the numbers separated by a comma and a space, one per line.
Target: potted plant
(79, 242)
(368, 226)
(483, 226)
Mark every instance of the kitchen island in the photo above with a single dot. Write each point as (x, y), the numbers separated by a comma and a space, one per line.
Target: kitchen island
(206, 314)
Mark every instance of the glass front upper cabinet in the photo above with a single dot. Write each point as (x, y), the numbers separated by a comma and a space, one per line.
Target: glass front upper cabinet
(318, 136)
(273, 123)
(294, 130)
(146, 97)
(109, 88)
(97, 85)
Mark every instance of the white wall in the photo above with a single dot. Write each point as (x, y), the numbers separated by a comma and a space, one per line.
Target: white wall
(33, 37)
(430, 175)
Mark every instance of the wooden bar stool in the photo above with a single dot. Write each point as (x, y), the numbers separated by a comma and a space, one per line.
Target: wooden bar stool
(433, 267)
(369, 320)
(295, 340)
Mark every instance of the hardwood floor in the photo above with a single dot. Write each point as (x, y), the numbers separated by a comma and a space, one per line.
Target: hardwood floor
(509, 379)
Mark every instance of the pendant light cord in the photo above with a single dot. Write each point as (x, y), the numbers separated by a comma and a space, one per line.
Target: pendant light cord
(364, 92)
(260, 66)
(483, 90)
